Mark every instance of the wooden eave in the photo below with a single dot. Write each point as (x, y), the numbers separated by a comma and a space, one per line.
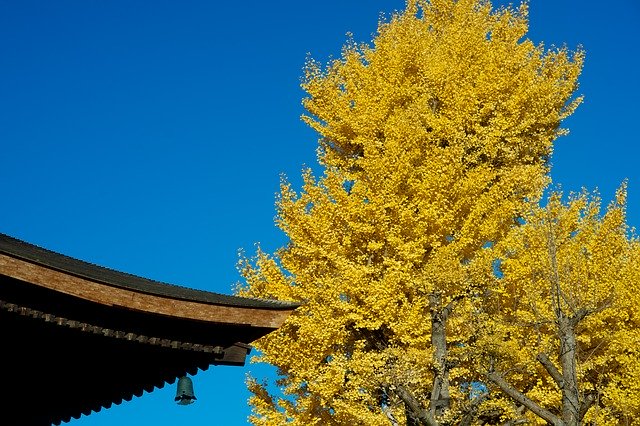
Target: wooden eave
(268, 316)
(68, 326)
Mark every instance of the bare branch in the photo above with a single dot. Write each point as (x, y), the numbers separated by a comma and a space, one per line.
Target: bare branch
(518, 396)
(422, 415)
(551, 369)
(589, 399)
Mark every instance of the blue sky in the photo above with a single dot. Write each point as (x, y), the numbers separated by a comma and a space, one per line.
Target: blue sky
(150, 137)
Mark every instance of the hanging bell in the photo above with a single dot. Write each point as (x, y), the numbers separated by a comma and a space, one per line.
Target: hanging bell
(184, 395)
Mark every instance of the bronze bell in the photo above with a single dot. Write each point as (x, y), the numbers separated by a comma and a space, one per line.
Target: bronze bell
(184, 395)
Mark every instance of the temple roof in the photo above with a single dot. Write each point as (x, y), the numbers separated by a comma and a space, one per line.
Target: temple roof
(67, 324)
(38, 255)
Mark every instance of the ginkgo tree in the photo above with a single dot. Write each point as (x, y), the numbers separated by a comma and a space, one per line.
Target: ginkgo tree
(434, 142)
(560, 334)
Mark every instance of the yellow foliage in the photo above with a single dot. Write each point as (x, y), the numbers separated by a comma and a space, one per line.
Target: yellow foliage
(435, 139)
(567, 260)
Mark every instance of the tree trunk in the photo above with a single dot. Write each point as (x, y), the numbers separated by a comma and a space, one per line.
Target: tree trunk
(440, 391)
(568, 361)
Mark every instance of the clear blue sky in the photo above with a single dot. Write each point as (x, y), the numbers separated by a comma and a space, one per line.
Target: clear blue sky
(149, 136)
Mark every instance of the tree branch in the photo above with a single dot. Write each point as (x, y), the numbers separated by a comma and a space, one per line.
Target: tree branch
(579, 316)
(385, 405)
(472, 410)
(447, 309)
(422, 415)
(551, 369)
(518, 396)
(589, 399)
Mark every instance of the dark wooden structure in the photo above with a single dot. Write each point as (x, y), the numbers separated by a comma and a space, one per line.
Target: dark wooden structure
(76, 337)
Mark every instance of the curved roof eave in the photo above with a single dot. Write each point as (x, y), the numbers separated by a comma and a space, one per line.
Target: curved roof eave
(89, 281)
